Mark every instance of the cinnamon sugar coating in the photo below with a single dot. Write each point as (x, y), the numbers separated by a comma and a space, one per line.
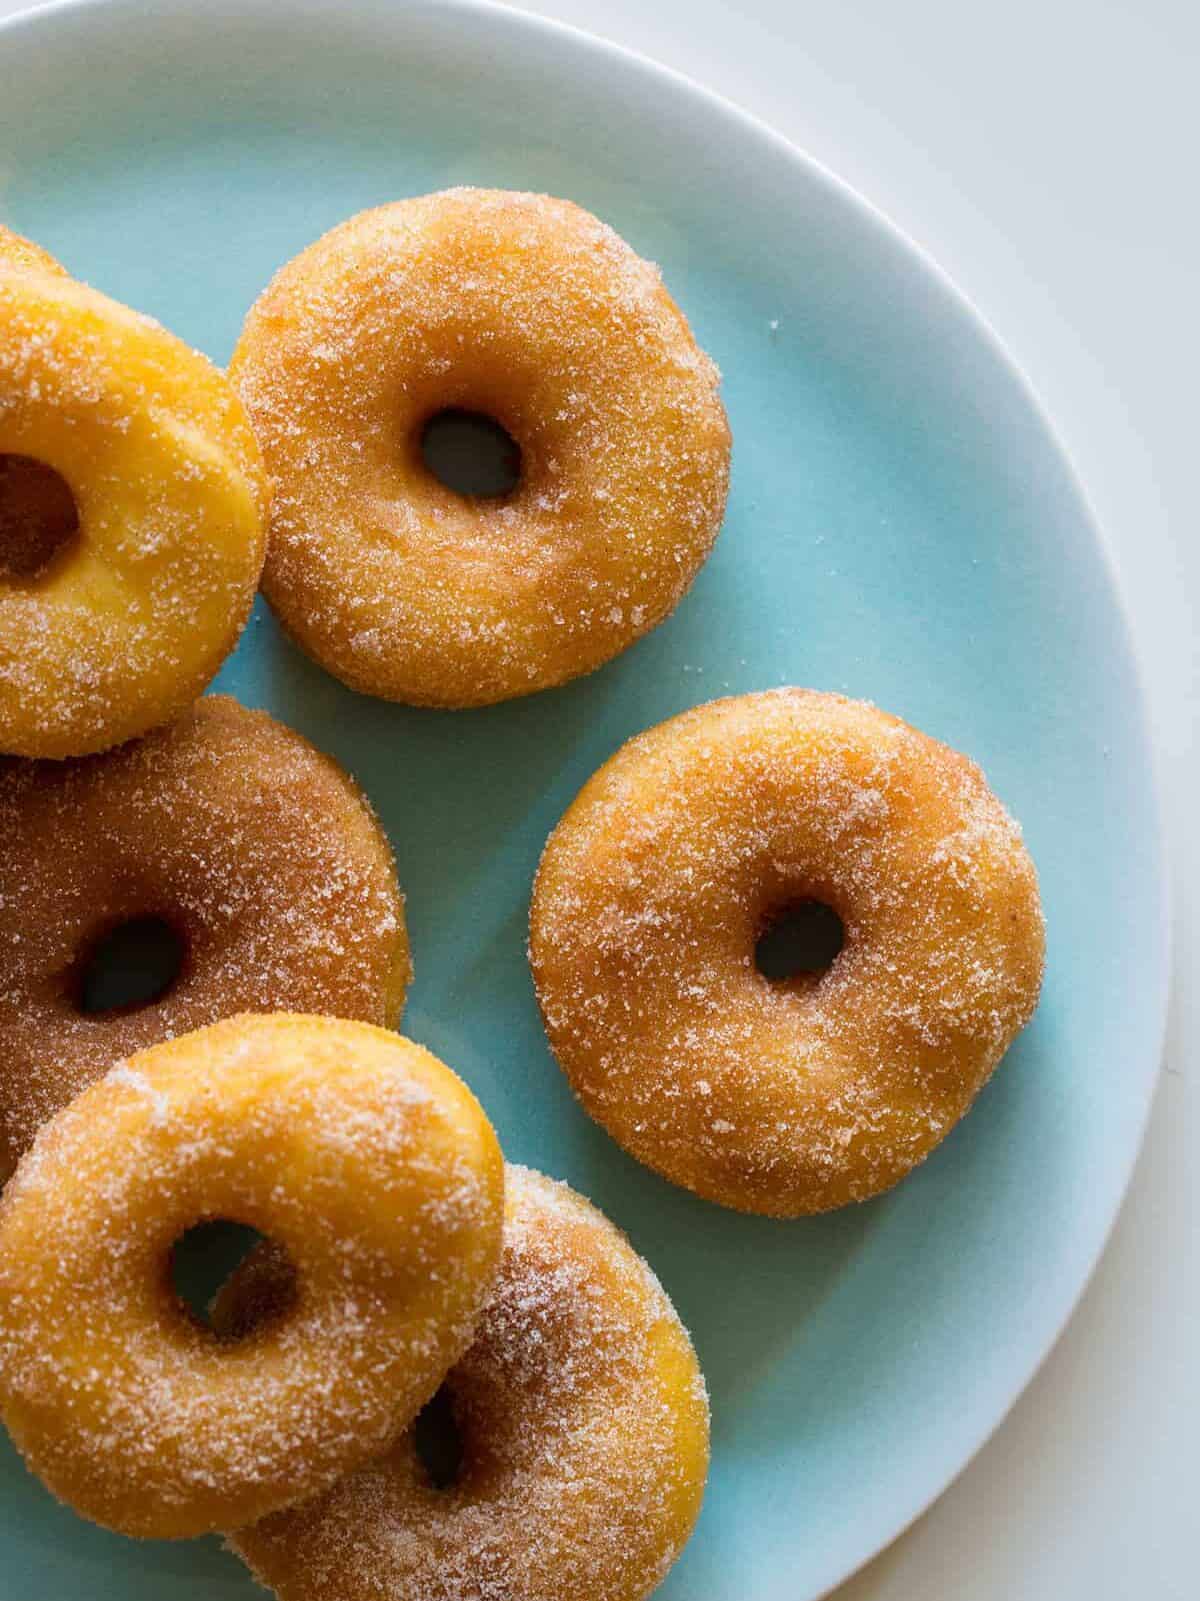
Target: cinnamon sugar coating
(260, 852)
(584, 1425)
(527, 309)
(795, 1096)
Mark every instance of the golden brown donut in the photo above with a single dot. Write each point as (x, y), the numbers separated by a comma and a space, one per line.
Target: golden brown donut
(259, 852)
(532, 312)
(133, 508)
(356, 1151)
(801, 1095)
(583, 1420)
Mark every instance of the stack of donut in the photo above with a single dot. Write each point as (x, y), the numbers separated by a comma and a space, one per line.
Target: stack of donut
(406, 1278)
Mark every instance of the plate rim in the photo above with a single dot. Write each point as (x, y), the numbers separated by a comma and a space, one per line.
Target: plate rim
(575, 39)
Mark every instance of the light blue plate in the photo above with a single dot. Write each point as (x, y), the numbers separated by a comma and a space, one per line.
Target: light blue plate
(903, 526)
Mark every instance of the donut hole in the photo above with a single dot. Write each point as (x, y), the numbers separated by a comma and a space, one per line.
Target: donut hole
(799, 940)
(203, 1261)
(39, 519)
(130, 966)
(438, 1441)
(471, 453)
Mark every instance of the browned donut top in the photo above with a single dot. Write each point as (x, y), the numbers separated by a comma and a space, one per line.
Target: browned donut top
(584, 1424)
(260, 852)
(532, 311)
(795, 1096)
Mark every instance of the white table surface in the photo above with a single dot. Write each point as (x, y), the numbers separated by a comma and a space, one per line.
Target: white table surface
(1045, 152)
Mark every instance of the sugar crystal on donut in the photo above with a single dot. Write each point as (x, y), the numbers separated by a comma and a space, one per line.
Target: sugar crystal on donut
(358, 1153)
(533, 313)
(258, 854)
(796, 1095)
(583, 1422)
(137, 604)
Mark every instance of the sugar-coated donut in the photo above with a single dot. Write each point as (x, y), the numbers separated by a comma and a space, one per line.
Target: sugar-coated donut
(358, 1152)
(138, 450)
(17, 251)
(794, 1096)
(261, 855)
(532, 312)
(583, 1421)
